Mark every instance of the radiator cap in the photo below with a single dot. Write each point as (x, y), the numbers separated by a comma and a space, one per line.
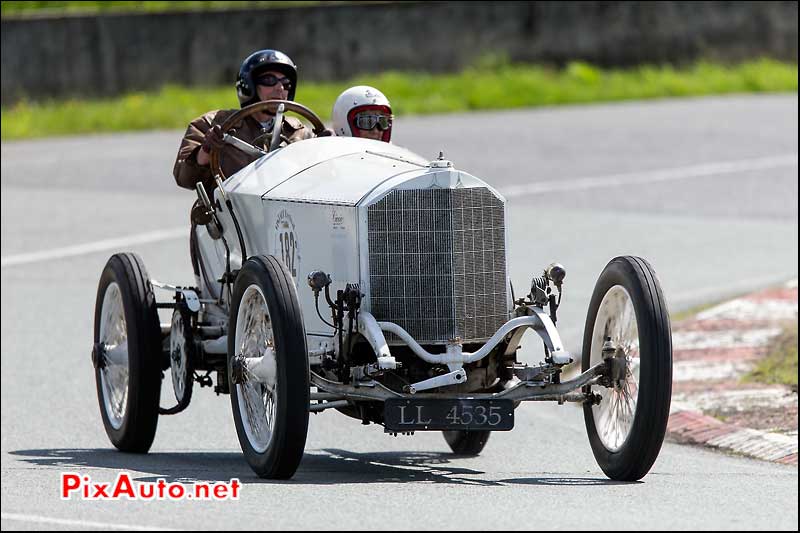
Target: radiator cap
(440, 162)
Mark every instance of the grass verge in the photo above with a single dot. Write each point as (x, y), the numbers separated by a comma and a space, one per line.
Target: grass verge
(780, 364)
(13, 9)
(490, 84)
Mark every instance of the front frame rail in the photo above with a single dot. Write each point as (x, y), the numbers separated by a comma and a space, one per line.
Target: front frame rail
(371, 390)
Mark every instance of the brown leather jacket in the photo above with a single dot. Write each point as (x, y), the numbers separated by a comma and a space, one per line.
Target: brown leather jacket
(188, 172)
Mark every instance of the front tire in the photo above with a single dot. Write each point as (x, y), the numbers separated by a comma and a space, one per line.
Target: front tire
(127, 353)
(626, 429)
(270, 413)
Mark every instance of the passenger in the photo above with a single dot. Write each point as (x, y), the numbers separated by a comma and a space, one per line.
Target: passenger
(264, 75)
(363, 111)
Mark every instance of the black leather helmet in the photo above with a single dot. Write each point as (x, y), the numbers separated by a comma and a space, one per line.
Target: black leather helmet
(255, 64)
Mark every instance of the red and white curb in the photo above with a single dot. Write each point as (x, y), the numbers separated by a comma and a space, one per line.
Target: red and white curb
(696, 428)
(710, 353)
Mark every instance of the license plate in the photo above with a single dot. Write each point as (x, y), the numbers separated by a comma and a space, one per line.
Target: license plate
(434, 415)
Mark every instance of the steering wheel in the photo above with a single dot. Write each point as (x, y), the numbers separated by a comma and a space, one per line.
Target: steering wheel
(250, 110)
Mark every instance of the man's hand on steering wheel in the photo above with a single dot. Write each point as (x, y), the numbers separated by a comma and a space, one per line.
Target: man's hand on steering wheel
(299, 109)
(212, 141)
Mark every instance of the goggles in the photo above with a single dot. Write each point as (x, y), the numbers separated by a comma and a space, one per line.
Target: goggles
(368, 121)
(270, 81)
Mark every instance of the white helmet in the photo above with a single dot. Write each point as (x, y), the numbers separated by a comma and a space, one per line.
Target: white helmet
(356, 101)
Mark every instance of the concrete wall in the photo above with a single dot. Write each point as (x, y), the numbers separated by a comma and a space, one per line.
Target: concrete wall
(109, 54)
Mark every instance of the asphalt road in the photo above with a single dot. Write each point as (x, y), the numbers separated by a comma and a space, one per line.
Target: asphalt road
(706, 189)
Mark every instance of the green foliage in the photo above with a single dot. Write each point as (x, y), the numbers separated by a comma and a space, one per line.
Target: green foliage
(12, 9)
(492, 82)
(780, 365)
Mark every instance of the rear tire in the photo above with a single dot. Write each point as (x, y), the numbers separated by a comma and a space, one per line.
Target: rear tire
(466, 442)
(626, 430)
(127, 352)
(271, 417)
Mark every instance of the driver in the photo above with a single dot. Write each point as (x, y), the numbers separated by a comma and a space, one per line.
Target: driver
(264, 75)
(363, 111)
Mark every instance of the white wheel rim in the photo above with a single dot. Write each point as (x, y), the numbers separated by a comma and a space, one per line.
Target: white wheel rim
(178, 355)
(257, 398)
(616, 318)
(114, 374)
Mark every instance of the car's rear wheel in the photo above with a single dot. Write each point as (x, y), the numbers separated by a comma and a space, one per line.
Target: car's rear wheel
(466, 442)
(268, 368)
(126, 353)
(628, 314)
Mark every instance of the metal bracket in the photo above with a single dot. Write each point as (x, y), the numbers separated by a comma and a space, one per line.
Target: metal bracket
(192, 300)
(451, 378)
(243, 146)
(189, 295)
(549, 334)
(528, 373)
(371, 330)
(364, 372)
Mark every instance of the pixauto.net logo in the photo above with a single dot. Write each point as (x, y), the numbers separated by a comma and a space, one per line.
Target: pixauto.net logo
(82, 487)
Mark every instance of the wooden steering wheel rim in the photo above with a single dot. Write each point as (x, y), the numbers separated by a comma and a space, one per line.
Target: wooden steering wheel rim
(236, 118)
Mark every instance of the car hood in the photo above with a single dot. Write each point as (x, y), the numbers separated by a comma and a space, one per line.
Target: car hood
(341, 170)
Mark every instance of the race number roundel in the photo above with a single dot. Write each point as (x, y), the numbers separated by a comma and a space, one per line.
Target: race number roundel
(286, 245)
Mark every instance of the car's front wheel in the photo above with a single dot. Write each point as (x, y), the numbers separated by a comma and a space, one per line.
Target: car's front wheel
(628, 317)
(268, 368)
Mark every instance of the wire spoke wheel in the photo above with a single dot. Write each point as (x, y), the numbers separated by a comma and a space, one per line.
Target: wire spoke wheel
(254, 338)
(114, 340)
(181, 357)
(127, 353)
(628, 317)
(616, 321)
(268, 368)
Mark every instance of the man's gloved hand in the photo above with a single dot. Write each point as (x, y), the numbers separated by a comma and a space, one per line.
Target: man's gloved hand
(213, 139)
(327, 132)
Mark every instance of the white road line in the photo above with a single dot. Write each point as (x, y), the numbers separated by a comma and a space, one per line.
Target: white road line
(78, 523)
(97, 246)
(573, 184)
(651, 176)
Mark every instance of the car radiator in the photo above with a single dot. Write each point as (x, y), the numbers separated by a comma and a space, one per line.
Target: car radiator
(437, 263)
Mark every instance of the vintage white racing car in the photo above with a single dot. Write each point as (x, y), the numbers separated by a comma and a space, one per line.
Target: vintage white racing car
(350, 274)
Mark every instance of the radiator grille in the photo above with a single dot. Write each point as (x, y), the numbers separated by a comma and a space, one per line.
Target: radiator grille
(437, 263)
